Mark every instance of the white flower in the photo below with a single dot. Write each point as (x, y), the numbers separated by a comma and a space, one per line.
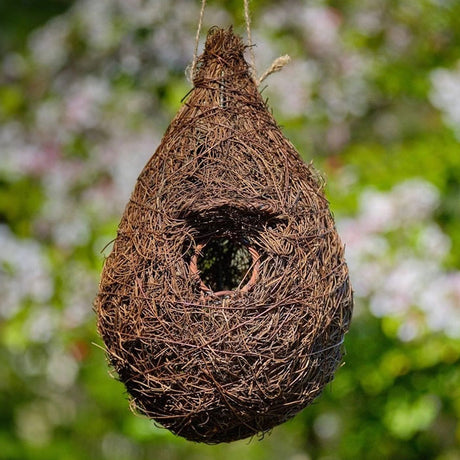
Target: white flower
(433, 243)
(62, 369)
(445, 94)
(414, 200)
(397, 277)
(48, 44)
(377, 211)
(84, 101)
(441, 303)
(322, 25)
(24, 273)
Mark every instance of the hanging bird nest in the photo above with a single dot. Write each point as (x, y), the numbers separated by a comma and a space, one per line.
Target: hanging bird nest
(224, 303)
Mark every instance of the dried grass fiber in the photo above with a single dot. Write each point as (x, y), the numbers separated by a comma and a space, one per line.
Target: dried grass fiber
(224, 302)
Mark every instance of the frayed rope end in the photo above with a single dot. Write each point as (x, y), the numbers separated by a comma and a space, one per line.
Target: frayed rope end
(276, 66)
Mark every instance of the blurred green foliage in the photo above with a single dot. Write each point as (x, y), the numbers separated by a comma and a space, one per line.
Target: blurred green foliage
(18, 18)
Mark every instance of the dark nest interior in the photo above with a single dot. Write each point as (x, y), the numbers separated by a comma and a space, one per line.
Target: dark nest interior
(224, 303)
(224, 264)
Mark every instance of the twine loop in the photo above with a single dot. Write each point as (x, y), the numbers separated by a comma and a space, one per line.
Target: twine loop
(276, 65)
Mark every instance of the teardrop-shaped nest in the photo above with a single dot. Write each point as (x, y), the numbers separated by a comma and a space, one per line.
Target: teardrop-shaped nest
(225, 300)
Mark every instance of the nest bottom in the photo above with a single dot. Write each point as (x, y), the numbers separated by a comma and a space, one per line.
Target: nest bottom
(219, 412)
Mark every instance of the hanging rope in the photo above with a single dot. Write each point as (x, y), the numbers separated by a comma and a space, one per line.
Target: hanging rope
(276, 65)
(191, 71)
(247, 18)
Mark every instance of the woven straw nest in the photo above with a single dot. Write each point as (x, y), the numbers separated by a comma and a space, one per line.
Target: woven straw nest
(225, 300)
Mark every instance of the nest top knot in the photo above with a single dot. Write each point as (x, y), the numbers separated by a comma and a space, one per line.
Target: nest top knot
(224, 48)
(222, 41)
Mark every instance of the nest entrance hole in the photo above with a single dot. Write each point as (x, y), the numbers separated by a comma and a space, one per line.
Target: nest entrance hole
(224, 266)
(223, 258)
